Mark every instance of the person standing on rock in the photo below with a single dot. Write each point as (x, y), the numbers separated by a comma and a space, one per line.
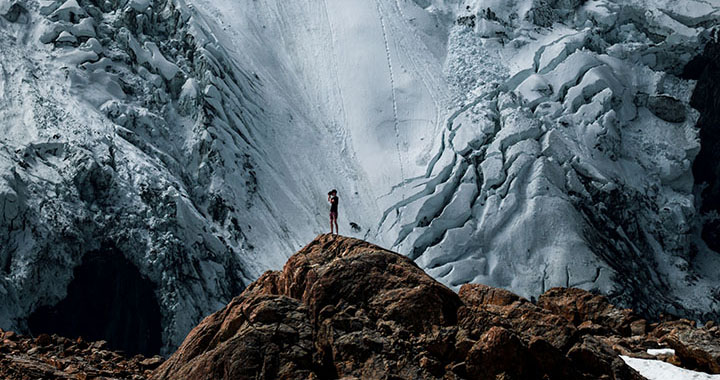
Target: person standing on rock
(333, 199)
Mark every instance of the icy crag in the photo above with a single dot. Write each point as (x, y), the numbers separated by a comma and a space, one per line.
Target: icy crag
(112, 127)
(524, 145)
(573, 167)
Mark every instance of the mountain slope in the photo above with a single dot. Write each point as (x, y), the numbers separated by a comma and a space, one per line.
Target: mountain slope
(524, 145)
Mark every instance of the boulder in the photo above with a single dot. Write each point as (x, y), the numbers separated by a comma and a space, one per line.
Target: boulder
(344, 308)
(578, 306)
(667, 108)
(696, 348)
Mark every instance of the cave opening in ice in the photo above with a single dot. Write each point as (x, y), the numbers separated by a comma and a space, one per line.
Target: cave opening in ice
(108, 299)
(706, 99)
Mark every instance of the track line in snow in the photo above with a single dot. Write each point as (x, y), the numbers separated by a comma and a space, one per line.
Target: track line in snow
(392, 89)
(416, 66)
(335, 59)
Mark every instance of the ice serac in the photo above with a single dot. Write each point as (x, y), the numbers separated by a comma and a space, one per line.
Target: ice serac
(575, 159)
(523, 145)
(199, 152)
(127, 124)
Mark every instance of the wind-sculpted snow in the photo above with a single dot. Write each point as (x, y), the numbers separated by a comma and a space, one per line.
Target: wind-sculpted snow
(526, 146)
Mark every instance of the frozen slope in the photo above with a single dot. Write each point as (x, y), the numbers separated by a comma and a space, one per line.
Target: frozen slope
(353, 69)
(571, 165)
(524, 144)
(192, 149)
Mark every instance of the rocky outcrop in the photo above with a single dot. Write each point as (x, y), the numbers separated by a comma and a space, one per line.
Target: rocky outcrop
(694, 348)
(342, 307)
(54, 357)
(628, 334)
(586, 309)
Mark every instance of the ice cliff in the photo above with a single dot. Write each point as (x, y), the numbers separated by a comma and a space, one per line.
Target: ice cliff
(524, 144)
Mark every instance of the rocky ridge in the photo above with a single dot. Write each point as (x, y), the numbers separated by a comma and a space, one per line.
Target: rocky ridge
(344, 308)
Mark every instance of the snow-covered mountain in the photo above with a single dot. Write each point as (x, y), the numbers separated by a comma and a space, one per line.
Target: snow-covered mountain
(523, 144)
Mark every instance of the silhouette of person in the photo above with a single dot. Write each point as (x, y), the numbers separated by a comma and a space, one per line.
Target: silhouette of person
(333, 199)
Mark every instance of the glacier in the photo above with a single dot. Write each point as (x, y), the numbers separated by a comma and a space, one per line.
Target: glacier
(523, 144)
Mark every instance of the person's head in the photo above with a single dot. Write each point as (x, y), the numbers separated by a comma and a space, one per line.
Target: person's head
(332, 192)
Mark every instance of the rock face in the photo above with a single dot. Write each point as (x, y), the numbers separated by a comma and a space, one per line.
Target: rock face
(345, 308)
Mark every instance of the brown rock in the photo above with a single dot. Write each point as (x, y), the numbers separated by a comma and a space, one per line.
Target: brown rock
(343, 308)
(499, 352)
(431, 365)
(596, 359)
(53, 357)
(80, 343)
(638, 327)
(591, 328)
(522, 316)
(9, 344)
(151, 363)
(479, 294)
(43, 340)
(664, 328)
(551, 360)
(365, 301)
(578, 306)
(695, 348)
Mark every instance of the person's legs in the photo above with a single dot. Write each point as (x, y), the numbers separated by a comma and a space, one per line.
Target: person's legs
(333, 219)
(337, 230)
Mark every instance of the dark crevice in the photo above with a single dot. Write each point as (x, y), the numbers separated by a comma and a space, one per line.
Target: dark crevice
(706, 168)
(108, 299)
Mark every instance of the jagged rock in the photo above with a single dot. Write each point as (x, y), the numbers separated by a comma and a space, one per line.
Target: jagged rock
(667, 108)
(524, 317)
(479, 294)
(696, 348)
(43, 340)
(498, 352)
(598, 359)
(579, 306)
(344, 308)
(55, 357)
